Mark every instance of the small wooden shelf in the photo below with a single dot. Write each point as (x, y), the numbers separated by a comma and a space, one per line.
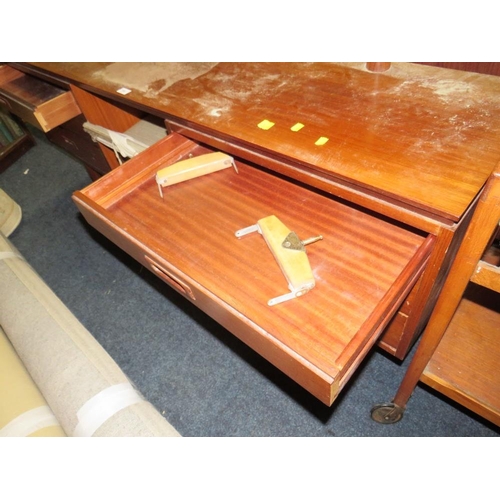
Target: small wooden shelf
(466, 364)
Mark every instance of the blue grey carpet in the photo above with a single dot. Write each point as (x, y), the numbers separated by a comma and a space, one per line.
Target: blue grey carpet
(204, 380)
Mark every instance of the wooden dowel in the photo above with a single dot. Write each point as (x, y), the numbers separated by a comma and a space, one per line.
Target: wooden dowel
(378, 67)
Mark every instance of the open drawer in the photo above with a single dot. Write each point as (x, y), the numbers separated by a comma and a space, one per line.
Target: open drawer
(35, 101)
(363, 268)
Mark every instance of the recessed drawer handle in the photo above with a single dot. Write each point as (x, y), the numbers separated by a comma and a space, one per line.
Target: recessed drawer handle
(171, 279)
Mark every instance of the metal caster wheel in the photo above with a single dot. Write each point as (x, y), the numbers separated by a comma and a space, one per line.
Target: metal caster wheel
(387, 413)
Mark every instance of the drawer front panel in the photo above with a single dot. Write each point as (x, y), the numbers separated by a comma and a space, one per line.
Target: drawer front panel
(71, 138)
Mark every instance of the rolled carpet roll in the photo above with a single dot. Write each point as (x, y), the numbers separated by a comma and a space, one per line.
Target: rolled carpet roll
(86, 390)
(23, 409)
(10, 213)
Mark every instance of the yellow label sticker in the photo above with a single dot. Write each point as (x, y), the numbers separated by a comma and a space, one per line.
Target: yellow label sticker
(321, 141)
(297, 127)
(265, 125)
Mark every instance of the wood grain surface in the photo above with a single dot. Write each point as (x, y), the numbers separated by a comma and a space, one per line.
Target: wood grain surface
(465, 364)
(419, 135)
(363, 267)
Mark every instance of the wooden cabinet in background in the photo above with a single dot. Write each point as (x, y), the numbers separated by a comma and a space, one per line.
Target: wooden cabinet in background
(71, 137)
(15, 140)
(52, 108)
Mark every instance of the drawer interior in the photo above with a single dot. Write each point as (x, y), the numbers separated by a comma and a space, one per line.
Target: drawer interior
(363, 267)
(37, 102)
(27, 89)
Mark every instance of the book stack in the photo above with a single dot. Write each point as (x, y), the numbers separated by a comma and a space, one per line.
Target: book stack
(10, 131)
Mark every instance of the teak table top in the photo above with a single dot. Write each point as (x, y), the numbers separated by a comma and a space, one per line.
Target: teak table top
(422, 136)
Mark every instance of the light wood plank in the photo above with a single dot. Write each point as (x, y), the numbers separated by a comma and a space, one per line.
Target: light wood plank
(465, 365)
(487, 275)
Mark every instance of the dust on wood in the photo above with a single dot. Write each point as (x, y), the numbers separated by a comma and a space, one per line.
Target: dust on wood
(152, 78)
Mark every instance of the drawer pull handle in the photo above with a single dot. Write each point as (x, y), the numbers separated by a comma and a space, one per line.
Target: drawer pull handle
(171, 279)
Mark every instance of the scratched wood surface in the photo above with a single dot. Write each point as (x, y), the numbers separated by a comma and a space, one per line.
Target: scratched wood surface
(362, 267)
(421, 135)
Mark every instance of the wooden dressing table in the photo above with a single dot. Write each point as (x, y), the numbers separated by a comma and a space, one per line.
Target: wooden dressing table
(387, 166)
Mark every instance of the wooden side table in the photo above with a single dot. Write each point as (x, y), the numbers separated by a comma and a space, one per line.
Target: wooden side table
(459, 353)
